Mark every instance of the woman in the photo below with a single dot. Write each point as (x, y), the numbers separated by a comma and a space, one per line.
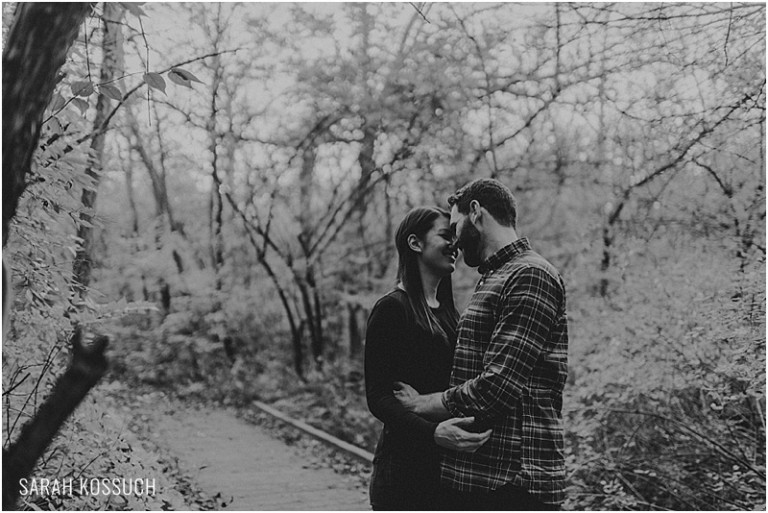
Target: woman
(410, 338)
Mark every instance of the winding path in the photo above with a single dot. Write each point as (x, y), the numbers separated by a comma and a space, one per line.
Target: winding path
(251, 470)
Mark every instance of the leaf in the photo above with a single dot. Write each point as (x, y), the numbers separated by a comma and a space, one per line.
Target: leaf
(76, 51)
(55, 127)
(186, 75)
(111, 92)
(155, 81)
(80, 104)
(133, 8)
(178, 78)
(57, 102)
(82, 88)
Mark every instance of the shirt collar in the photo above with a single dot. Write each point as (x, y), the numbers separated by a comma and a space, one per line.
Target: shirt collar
(504, 255)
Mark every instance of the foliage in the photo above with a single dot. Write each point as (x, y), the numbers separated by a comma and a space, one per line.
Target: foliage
(96, 446)
(41, 251)
(245, 218)
(665, 398)
(666, 403)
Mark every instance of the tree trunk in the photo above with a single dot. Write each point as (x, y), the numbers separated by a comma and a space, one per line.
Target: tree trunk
(111, 42)
(131, 198)
(310, 301)
(162, 205)
(215, 201)
(297, 334)
(36, 48)
(367, 167)
(307, 284)
(297, 329)
(318, 343)
(156, 176)
(608, 236)
(159, 190)
(88, 365)
(355, 337)
(309, 157)
(389, 231)
(215, 205)
(605, 262)
(161, 179)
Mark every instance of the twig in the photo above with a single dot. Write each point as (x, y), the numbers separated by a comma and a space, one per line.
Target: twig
(146, 45)
(728, 35)
(87, 57)
(757, 401)
(722, 450)
(16, 385)
(138, 86)
(418, 10)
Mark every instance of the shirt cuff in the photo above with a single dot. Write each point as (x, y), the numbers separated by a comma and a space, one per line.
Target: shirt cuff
(450, 403)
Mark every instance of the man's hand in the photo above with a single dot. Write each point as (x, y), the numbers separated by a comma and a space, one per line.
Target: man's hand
(452, 435)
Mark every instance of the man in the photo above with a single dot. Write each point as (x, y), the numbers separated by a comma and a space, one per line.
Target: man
(510, 363)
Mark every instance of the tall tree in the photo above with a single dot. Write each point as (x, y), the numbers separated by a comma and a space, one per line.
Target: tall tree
(216, 205)
(111, 46)
(37, 46)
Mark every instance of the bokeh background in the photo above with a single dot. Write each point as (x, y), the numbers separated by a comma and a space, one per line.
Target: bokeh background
(234, 173)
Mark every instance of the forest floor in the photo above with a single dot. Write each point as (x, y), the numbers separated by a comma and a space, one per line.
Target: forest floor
(237, 459)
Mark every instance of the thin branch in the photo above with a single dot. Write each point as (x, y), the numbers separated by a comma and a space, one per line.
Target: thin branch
(138, 86)
(728, 190)
(682, 155)
(728, 35)
(418, 9)
(684, 427)
(16, 385)
(491, 144)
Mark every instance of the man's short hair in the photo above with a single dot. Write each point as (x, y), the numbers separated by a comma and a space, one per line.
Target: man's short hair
(492, 195)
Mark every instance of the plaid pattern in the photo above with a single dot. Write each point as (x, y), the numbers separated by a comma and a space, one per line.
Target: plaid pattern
(509, 369)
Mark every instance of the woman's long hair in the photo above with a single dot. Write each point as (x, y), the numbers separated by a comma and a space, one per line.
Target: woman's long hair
(418, 222)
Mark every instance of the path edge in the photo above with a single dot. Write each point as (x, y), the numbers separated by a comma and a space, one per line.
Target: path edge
(341, 445)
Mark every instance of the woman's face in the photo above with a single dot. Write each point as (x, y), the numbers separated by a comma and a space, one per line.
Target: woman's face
(437, 255)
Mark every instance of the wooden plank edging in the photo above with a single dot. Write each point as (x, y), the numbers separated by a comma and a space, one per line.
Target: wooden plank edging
(341, 445)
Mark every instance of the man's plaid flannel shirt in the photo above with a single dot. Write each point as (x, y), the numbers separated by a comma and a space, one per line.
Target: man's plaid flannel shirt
(510, 366)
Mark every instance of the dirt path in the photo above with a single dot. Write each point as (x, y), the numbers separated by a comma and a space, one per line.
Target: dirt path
(248, 468)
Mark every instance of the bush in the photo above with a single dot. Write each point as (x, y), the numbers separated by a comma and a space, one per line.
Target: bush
(667, 405)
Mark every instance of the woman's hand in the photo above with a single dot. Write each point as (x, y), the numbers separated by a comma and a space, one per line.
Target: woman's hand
(407, 395)
(429, 406)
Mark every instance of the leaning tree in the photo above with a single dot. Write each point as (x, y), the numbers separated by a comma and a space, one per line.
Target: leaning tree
(37, 46)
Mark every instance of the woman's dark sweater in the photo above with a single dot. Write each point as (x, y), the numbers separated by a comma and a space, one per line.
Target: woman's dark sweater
(397, 350)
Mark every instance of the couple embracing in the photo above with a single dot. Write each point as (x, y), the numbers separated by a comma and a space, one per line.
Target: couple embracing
(471, 404)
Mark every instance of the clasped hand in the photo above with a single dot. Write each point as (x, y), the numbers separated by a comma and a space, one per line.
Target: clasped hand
(451, 433)
(408, 397)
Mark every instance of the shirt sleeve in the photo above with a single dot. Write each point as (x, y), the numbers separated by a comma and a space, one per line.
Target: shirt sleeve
(384, 350)
(528, 310)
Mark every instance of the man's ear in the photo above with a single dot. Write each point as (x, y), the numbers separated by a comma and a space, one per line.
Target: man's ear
(414, 243)
(475, 211)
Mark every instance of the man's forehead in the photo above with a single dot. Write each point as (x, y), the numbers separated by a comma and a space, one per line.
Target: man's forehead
(455, 215)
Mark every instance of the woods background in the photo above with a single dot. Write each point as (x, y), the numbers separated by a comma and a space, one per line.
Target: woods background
(217, 188)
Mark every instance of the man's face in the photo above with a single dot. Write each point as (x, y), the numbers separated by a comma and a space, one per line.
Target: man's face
(467, 237)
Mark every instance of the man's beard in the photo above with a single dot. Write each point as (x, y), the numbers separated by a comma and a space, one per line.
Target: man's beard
(469, 243)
